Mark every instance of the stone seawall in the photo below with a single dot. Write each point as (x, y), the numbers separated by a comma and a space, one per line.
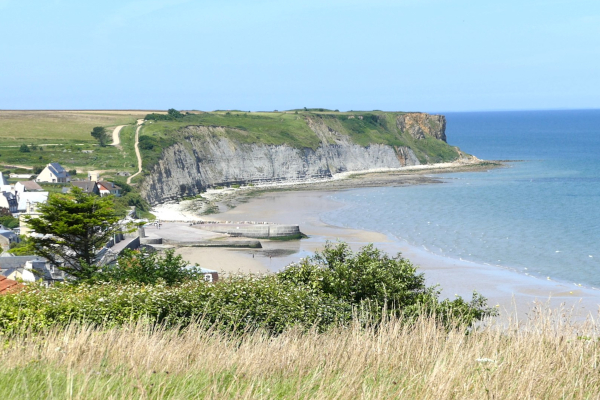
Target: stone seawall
(258, 231)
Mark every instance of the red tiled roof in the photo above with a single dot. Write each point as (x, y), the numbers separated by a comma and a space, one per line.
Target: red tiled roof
(9, 286)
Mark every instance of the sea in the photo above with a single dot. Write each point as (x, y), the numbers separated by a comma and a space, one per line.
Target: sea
(539, 215)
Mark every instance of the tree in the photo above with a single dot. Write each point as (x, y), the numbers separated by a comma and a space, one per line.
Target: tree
(174, 114)
(99, 133)
(24, 148)
(71, 229)
(150, 267)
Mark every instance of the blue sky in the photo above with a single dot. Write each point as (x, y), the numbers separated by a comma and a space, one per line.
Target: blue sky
(427, 55)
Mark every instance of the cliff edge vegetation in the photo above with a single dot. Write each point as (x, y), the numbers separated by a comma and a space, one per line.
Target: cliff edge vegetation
(185, 153)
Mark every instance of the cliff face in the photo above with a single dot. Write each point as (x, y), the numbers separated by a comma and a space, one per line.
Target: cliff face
(419, 125)
(208, 156)
(190, 168)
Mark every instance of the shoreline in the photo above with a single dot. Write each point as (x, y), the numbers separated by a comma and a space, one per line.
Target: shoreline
(218, 201)
(509, 290)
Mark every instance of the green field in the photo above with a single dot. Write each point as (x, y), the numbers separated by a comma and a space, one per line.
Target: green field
(64, 137)
(38, 127)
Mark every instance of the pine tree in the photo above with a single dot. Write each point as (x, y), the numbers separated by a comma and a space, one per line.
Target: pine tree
(71, 229)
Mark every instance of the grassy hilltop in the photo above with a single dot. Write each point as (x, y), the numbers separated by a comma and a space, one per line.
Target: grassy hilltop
(64, 136)
(291, 128)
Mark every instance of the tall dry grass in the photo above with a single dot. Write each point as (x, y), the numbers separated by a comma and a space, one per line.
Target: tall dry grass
(547, 356)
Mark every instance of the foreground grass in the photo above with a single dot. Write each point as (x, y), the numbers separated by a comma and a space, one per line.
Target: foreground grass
(546, 357)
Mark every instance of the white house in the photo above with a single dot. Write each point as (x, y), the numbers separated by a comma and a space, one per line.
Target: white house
(32, 198)
(27, 186)
(54, 173)
(107, 188)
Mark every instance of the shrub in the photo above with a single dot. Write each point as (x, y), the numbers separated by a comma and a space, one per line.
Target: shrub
(9, 221)
(323, 291)
(24, 148)
(236, 304)
(149, 268)
(375, 283)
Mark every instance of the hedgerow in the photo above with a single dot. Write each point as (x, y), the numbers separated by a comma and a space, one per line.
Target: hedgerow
(332, 288)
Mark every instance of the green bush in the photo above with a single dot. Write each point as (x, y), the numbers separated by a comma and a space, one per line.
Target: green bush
(9, 221)
(149, 268)
(327, 290)
(373, 282)
(238, 303)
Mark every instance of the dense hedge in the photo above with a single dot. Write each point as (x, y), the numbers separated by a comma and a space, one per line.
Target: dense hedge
(329, 289)
(235, 303)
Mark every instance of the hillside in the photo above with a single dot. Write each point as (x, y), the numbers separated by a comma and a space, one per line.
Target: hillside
(188, 153)
(64, 136)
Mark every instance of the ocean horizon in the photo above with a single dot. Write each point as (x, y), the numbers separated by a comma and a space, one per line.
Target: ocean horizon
(538, 215)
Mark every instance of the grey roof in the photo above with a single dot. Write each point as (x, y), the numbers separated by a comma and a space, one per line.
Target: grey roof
(17, 261)
(86, 186)
(8, 233)
(8, 271)
(3, 180)
(31, 185)
(58, 170)
(40, 265)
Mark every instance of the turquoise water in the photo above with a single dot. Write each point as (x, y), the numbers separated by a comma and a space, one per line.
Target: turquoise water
(541, 215)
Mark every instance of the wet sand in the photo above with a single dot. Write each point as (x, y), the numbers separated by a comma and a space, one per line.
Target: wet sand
(508, 290)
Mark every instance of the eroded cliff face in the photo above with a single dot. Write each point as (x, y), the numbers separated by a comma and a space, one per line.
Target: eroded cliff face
(419, 125)
(208, 158)
(187, 169)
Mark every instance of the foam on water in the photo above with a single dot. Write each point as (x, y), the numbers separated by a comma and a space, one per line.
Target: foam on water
(541, 215)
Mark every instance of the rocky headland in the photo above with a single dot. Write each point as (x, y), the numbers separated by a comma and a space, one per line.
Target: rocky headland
(205, 155)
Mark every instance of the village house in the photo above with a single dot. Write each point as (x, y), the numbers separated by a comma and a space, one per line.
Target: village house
(9, 201)
(107, 188)
(87, 187)
(27, 186)
(29, 269)
(7, 236)
(32, 198)
(53, 173)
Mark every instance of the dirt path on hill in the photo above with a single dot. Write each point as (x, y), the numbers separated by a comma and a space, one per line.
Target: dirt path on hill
(137, 150)
(115, 135)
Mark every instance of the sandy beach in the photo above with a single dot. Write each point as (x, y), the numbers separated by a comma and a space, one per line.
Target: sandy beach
(510, 291)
